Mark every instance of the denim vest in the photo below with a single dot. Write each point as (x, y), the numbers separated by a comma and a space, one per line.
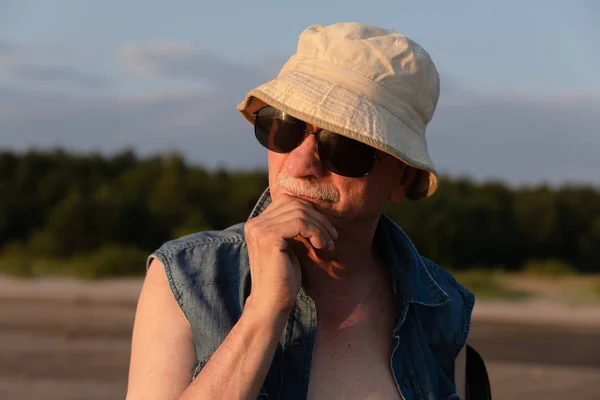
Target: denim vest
(209, 275)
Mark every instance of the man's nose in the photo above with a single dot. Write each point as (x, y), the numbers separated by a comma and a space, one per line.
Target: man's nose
(304, 160)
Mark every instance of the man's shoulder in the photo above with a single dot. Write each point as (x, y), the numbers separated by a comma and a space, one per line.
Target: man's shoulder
(204, 258)
(231, 235)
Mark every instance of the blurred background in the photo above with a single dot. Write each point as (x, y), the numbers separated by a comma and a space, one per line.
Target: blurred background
(118, 132)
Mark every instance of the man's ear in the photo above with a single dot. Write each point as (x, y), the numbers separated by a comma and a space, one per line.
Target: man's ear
(404, 183)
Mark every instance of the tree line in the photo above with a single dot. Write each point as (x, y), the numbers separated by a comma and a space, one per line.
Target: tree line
(101, 215)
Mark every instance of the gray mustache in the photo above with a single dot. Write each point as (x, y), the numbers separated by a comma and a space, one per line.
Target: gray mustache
(305, 188)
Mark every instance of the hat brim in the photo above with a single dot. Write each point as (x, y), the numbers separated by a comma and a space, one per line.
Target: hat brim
(335, 108)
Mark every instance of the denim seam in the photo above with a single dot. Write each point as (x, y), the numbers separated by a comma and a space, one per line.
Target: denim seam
(310, 344)
(242, 271)
(426, 303)
(285, 351)
(424, 262)
(405, 308)
(263, 393)
(470, 303)
(213, 283)
(258, 208)
(171, 251)
(394, 351)
(199, 366)
(165, 261)
(175, 248)
(416, 387)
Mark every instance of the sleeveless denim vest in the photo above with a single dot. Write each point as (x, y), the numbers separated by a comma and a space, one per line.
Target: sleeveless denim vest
(209, 275)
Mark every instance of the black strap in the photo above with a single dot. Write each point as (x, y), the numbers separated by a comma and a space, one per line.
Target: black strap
(478, 381)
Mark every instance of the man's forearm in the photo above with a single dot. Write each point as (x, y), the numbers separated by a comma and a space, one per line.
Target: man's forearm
(240, 365)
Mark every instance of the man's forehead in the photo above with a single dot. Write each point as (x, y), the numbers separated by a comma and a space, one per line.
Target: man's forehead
(256, 104)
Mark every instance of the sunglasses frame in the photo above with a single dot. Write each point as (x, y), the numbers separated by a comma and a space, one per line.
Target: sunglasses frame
(318, 134)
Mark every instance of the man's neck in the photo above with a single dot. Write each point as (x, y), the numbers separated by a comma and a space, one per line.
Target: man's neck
(350, 286)
(349, 272)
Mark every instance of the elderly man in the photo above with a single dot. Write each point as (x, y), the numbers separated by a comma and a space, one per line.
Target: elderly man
(318, 295)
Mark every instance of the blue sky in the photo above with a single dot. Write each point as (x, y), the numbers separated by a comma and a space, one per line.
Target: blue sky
(520, 88)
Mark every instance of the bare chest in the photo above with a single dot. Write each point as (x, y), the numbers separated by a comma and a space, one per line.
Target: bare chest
(353, 363)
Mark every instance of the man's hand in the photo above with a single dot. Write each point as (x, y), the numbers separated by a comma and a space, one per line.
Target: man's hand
(274, 268)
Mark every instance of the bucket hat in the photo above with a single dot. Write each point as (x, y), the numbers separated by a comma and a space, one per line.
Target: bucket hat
(368, 83)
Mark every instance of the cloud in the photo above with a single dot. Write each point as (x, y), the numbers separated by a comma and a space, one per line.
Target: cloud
(60, 74)
(35, 51)
(44, 65)
(194, 63)
(5, 49)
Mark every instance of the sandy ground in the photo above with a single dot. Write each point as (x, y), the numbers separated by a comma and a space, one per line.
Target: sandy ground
(64, 339)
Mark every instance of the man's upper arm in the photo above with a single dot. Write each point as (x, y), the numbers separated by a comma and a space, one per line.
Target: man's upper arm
(162, 351)
(460, 373)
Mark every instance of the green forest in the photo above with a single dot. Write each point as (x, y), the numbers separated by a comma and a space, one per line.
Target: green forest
(93, 215)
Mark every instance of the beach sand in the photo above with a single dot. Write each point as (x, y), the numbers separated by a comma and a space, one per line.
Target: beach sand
(66, 339)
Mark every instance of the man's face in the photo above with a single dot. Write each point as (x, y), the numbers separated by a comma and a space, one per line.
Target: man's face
(344, 200)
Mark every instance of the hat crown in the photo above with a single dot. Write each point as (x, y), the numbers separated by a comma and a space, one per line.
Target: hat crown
(367, 83)
(397, 64)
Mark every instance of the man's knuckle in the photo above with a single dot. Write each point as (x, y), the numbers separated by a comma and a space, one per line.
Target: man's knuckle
(302, 222)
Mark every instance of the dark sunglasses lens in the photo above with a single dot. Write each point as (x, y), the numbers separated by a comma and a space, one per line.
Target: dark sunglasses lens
(345, 156)
(278, 131)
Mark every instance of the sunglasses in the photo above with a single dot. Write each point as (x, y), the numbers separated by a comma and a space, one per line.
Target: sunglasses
(281, 133)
